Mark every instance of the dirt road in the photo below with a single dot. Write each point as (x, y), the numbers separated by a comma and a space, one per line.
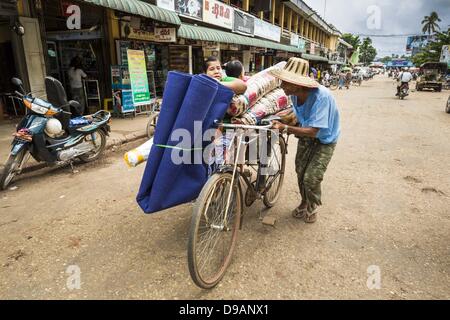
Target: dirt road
(386, 210)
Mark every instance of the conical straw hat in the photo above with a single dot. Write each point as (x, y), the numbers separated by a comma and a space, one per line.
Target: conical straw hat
(296, 72)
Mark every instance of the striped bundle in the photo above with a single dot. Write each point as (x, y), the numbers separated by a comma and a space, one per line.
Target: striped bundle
(257, 86)
(270, 104)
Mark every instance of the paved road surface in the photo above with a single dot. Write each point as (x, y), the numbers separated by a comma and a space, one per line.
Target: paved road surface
(386, 208)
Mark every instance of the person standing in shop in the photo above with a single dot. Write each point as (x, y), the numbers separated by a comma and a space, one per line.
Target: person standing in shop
(76, 76)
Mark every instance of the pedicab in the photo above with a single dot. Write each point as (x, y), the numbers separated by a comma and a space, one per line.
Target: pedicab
(220, 189)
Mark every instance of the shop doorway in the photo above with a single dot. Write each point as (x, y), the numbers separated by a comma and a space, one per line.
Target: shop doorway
(197, 60)
(9, 108)
(87, 43)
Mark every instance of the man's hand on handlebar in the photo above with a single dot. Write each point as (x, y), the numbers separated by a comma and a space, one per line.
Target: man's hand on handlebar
(276, 125)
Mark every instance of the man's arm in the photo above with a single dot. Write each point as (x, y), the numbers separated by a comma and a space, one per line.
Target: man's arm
(238, 86)
(298, 131)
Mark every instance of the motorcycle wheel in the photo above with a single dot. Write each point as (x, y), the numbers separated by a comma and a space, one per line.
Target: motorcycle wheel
(10, 171)
(100, 147)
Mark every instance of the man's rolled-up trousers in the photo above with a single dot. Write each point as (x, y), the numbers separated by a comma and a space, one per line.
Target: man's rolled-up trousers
(311, 163)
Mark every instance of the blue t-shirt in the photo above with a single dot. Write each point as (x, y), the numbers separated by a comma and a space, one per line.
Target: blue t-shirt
(320, 111)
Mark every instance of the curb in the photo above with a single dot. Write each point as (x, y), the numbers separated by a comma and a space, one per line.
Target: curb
(113, 142)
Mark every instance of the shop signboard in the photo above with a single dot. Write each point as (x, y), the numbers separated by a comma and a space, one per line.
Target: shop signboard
(165, 35)
(415, 43)
(267, 30)
(138, 77)
(445, 55)
(166, 4)
(129, 32)
(270, 52)
(312, 48)
(294, 40)
(243, 23)
(212, 46)
(127, 101)
(301, 45)
(218, 13)
(282, 54)
(190, 8)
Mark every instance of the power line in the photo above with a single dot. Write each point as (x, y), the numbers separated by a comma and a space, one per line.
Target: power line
(386, 35)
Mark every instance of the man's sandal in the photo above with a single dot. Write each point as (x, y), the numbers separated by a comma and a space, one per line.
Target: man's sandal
(299, 213)
(310, 217)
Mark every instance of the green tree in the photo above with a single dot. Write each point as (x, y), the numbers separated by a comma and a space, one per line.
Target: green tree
(432, 52)
(386, 59)
(367, 51)
(429, 23)
(353, 40)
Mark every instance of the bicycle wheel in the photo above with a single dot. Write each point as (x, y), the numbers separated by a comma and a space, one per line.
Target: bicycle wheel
(151, 125)
(275, 182)
(212, 238)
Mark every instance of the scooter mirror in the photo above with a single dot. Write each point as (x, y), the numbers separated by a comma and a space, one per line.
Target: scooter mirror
(17, 82)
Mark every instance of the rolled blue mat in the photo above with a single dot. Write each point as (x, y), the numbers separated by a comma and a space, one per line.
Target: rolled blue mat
(176, 184)
(174, 93)
(187, 180)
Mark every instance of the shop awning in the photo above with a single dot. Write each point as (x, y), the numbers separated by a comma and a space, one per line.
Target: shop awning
(336, 62)
(313, 57)
(139, 8)
(188, 31)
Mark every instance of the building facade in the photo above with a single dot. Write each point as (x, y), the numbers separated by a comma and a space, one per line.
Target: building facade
(174, 34)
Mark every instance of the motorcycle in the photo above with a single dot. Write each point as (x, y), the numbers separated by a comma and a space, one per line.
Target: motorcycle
(49, 134)
(404, 91)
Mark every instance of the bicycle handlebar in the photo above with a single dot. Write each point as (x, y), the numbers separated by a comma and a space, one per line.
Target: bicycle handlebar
(244, 126)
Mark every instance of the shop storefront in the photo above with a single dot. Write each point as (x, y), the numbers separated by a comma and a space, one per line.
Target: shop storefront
(7, 60)
(88, 43)
(144, 34)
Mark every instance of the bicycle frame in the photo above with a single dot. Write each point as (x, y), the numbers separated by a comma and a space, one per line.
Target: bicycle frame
(261, 185)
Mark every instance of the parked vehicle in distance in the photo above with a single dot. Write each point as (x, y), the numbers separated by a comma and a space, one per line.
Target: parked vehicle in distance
(432, 76)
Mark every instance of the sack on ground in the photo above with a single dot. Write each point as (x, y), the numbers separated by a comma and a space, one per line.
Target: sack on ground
(139, 155)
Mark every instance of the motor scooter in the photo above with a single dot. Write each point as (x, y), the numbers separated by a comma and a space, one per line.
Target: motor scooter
(50, 134)
(404, 91)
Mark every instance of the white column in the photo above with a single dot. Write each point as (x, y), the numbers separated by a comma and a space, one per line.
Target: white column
(190, 60)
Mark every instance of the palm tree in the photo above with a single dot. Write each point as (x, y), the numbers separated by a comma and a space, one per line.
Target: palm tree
(429, 23)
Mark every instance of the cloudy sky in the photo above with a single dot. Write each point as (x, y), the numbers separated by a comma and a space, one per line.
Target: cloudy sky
(382, 17)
